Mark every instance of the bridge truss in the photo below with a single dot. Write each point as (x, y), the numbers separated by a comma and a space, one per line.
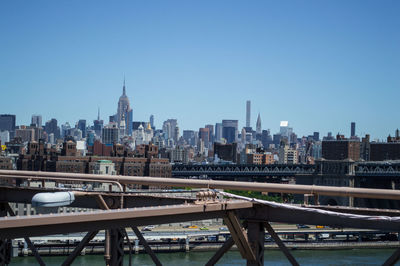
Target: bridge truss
(246, 219)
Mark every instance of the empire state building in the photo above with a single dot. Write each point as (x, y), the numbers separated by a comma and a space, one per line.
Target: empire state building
(124, 112)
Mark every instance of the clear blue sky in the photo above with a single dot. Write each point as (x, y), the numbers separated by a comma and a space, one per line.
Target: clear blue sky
(318, 64)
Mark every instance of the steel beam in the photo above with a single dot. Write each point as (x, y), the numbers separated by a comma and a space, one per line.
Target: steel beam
(129, 245)
(101, 202)
(146, 246)
(295, 216)
(256, 238)
(5, 243)
(117, 247)
(239, 236)
(88, 199)
(5, 251)
(221, 251)
(89, 236)
(358, 210)
(393, 259)
(47, 224)
(27, 239)
(107, 247)
(280, 244)
(176, 182)
(34, 251)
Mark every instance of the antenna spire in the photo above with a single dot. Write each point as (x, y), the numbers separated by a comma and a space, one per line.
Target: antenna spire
(123, 88)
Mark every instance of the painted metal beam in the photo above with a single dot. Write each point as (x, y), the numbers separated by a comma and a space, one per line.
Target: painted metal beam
(238, 233)
(85, 199)
(294, 216)
(280, 244)
(221, 251)
(146, 246)
(27, 239)
(256, 238)
(196, 183)
(392, 260)
(358, 210)
(37, 225)
(89, 236)
(129, 245)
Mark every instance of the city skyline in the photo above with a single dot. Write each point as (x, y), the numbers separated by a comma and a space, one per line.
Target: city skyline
(318, 66)
(242, 124)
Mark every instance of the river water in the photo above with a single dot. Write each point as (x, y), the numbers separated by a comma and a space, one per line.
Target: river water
(273, 257)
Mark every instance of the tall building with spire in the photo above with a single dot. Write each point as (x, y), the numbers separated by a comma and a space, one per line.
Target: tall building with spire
(248, 113)
(98, 124)
(258, 125)
(124, 112)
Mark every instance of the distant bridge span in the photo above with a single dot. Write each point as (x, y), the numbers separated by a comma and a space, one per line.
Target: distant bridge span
(322, 167)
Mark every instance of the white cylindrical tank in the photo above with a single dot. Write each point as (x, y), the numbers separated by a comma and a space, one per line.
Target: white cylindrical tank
(53, 199)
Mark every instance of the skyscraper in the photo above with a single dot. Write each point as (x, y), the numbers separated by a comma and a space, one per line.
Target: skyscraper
(124, 111)
(266, 138)
(51, 127)
(98, 124)
(171, 129)
(230, 130)
(36, 120)
(152, 122)
(248, 113)
(353, 129)
(82, 126)
(189, 137)
(110, 134)
(211, 131)
(316, 136)
(258, 125)
(7, 122)
(285, 130)
(204, 135)
(218, 132)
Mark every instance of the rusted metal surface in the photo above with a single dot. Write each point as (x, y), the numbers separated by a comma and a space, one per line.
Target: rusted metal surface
(195, 183)
(37, 225)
